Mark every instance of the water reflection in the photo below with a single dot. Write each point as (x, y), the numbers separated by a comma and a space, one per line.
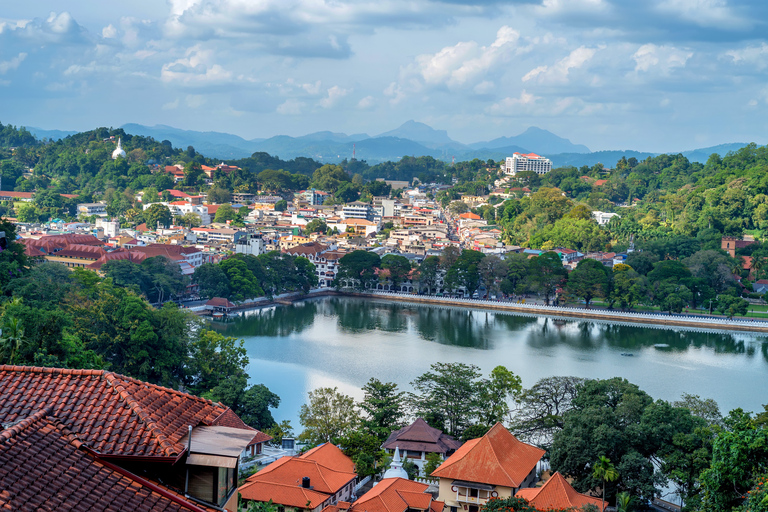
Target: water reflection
(356, 316)
(273, 321)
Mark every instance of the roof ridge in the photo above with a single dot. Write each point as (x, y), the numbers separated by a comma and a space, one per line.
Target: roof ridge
(496, 455)
(46, 369)
(167, 446)
(21, 426)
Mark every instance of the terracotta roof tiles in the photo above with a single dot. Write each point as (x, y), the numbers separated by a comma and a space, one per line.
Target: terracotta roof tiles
(556, 493)
(395, 495)
(497, 458)
(113, 414)
(420, 437)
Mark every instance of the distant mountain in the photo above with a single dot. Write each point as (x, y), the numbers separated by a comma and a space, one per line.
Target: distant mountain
(536, 140)
(703, 154)
(419, 132)
(335, 137)
(50, 134)
(212, 144)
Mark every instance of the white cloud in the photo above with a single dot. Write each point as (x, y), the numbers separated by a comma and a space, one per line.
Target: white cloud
(756, 56)
(558, 73)
(467, 63)
(661, 59)
(366, 103)
(14, 63)
(335, 93)
(395, 93)
(706, 13)
(196, 68)
(109, 32)
(513, 106)
(291, 107)
(195, 100)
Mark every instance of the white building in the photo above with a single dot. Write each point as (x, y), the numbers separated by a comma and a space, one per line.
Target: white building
(357, 210)
(532, 162)
(119, 152)
(179, 208)
(92, 209)
(252, 244)
(604, 218)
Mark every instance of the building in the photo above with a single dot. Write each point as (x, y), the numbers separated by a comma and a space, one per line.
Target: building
(323, 257)
(357, 210)
(321, 477)
(392, 495)
(419, 439)
(89, 209)
(100, 441)
(496, 465)
(603, 218)
(252, 243)
(731, 243)
(530, 162)
(557, 494)
(119, 152)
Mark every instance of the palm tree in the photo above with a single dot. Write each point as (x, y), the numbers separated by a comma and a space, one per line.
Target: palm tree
(11, 339)
(606, 472)
(624, 502)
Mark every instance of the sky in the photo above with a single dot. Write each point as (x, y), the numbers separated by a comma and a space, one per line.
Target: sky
(649, 75)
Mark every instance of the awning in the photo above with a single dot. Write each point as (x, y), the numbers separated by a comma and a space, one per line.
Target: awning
(201, 459)
(473, 485)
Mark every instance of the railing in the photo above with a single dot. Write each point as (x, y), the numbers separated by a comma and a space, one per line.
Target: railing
(619, 315)
(427, 480)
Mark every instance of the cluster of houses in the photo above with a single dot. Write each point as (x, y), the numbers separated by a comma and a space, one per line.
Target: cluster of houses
(95, 440)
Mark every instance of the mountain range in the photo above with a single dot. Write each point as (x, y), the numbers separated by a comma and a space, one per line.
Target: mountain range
(411, 138)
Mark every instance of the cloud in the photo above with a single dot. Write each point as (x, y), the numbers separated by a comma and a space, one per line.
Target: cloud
(335, 93)
(660, 59)
(196, 68)
(756, 56)
(291, 107)
(705, 13)
(366, 103)
(11, 64)
(558, 73)
(513, 106)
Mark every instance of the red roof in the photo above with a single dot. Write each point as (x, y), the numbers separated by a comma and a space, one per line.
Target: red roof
(330, 456)
(497, 458)
(395, 495)
(43, 468)
(470, 215)
(286, 495)
(87, 252)
(600, 183)
(557, 493)
(119, 254)
(112, 413)
(420, 437)
(220, 302)
(177, 193)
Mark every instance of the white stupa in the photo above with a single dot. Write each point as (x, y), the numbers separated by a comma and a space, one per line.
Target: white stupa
(396, 467)
(119, 152)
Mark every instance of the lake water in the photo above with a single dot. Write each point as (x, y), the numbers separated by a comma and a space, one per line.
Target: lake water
(343, 342)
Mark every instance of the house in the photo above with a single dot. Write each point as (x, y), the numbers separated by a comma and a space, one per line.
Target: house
(320, 477)
(495, 465)
(92, 209)
(557, 493)
(392, 495)
(731, 243)
(760, 286)
(96, 440)
(419, 439)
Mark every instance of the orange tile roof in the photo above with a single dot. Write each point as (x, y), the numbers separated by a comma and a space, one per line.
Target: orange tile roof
(42, 468)
(420, 437)
(291, 470)
(116, 255)
(556, 493)
(330, 456)
(112, 413)
(395, 495)
(88, 252)
(470, 215)
(282, 494)
(497, 458)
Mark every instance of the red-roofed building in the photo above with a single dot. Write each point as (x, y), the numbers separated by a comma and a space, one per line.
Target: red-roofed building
(495, 465)
(556, 494)
(98, 427)
(309, 482)
(392, 495)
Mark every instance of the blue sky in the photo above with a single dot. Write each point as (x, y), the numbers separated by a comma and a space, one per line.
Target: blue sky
(653, 75)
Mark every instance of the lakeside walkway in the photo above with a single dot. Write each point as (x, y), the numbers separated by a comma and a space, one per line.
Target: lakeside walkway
(660, 320)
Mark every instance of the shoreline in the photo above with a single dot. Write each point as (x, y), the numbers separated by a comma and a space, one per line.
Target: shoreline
(613, 316)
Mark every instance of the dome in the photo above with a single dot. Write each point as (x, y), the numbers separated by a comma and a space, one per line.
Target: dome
(395, 468)
(119, 152)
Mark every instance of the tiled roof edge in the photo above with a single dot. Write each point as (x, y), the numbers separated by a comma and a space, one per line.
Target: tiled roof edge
(10, 433)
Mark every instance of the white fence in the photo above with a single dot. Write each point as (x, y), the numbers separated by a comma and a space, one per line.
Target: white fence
(540, 309)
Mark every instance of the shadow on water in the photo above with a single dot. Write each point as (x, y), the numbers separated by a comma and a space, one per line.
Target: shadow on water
(272, 321)
(356, 316)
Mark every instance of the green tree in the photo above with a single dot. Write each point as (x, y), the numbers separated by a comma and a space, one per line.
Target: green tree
(214, 359)
(212, 280)
(492, 270)
(226, 212)
(731, 306)
(384, 408)
(541, 409)
(158, 215)
(398, 266)
(547, 274)
(242, 283)
(316, 226)
(281, 205)
(465, 272)
(327, 416)
(605, 471)
(357, 269)
(589, 279)
(429, 273)
(364, 448)
(251, 404)
(448, 390)
(495, 394)
(189, 219)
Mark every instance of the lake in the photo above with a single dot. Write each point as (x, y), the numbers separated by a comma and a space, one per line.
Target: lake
(343, 342)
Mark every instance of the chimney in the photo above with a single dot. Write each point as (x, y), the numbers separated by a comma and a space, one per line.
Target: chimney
(305, 482)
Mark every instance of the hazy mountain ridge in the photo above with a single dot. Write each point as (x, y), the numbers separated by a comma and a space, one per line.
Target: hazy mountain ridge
(333, 147)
